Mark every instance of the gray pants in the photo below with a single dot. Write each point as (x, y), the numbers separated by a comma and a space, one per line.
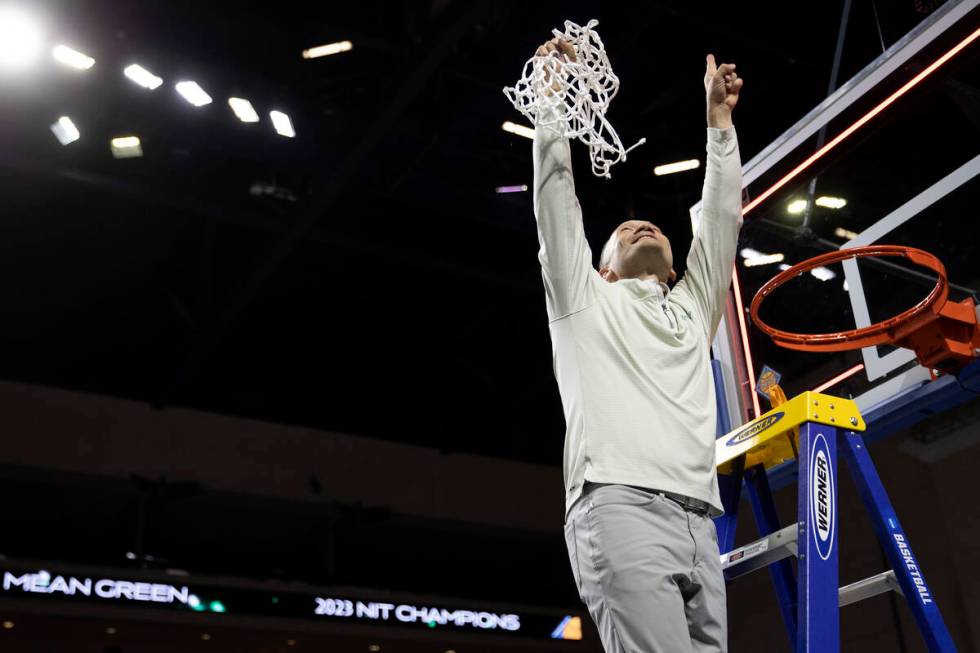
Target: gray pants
(648, 571)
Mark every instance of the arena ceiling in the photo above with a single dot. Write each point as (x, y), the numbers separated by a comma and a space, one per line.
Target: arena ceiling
(362, 277)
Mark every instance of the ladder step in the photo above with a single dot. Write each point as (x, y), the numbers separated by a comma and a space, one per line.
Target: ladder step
(782, 544)
(868, 587)
(761, 553)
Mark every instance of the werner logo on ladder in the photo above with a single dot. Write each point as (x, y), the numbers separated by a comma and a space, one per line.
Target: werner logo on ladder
(822, 493)
(810, 428)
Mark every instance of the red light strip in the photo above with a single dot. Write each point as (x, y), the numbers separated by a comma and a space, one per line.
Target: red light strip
(840, 377)
(745, 341)
(857, 125)
(803, 166)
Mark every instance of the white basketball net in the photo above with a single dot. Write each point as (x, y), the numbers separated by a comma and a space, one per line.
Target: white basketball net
(577, 109)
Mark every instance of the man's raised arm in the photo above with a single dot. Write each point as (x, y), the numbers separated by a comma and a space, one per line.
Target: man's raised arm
(566, 260)
(712, 255)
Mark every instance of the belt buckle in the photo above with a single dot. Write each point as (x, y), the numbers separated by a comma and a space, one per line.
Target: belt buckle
(690, 504)
(687, 503)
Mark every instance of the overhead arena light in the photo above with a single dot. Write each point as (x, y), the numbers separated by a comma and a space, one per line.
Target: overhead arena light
(126, 147)
(520, 130)
(282, 123)
(193, 93)
(20, 39)
(65, 131)
(841, 232)
(765, 259)
(822, 273)
(754, 257)
(142, 76)
(831, 202)
(796, 207)
(680, 166)
(328, 49)
(74, 58)
(511, 189)
(243, 109)
(260, 189)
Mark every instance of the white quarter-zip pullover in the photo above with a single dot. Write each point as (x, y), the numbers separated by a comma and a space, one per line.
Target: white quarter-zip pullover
(631, 359)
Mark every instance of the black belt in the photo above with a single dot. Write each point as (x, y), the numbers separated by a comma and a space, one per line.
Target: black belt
(687, 503)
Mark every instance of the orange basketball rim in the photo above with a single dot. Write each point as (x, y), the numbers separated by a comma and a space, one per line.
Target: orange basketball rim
(944, 335)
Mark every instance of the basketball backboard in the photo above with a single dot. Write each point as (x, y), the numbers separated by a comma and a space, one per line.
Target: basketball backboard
(895, 152)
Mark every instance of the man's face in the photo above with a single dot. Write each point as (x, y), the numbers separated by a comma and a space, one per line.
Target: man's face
(641, 249)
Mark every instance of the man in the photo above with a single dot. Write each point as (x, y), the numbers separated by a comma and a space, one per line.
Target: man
(631, 356)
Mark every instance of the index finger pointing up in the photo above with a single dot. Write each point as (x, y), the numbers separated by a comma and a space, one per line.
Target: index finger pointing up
(712, 67)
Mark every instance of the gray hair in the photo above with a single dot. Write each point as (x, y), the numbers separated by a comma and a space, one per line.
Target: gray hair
(605, 257)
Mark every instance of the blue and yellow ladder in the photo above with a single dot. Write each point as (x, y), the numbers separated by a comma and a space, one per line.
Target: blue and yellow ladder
(811, 428)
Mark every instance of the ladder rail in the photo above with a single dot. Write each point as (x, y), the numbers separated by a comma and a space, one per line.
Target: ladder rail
(918, 595)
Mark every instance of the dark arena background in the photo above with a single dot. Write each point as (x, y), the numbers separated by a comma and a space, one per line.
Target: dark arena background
(276, 372)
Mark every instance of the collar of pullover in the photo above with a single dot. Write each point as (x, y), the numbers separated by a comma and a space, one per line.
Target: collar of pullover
(659, 288)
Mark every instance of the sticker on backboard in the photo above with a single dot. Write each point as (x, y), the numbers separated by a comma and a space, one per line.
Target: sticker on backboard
(768, 377)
